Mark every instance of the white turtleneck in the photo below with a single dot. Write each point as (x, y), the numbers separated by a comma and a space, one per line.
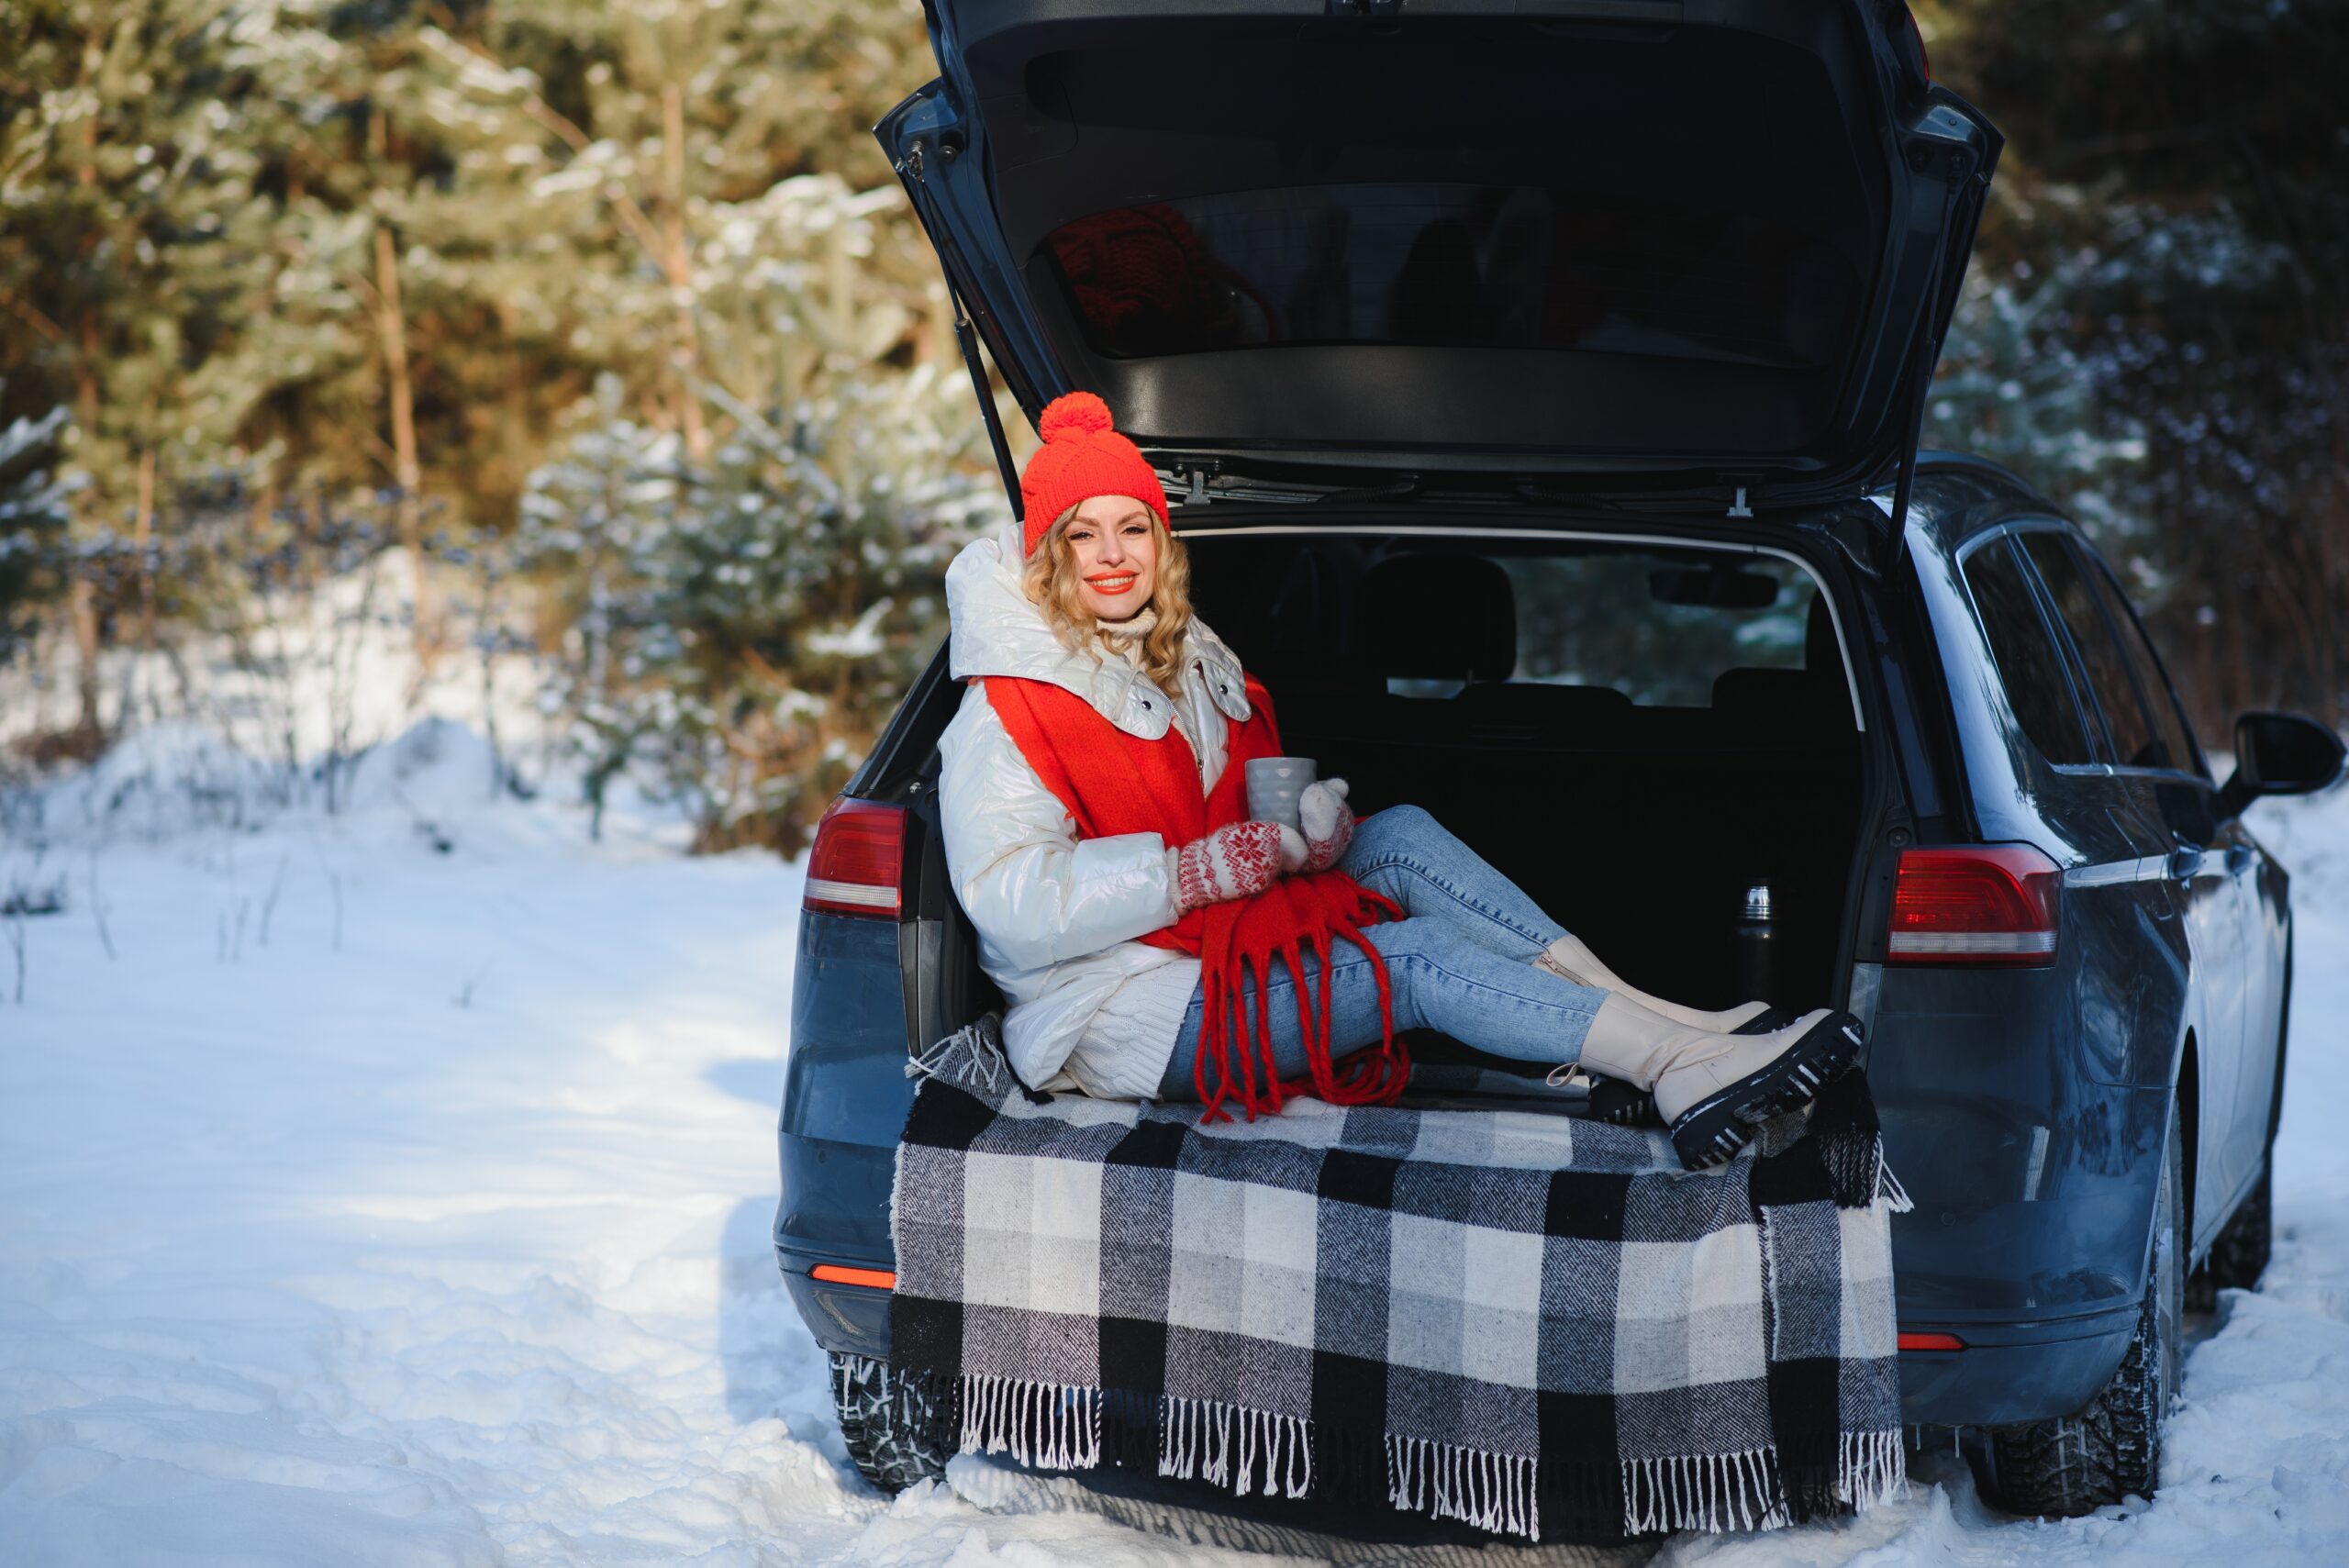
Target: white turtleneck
(1125, 638)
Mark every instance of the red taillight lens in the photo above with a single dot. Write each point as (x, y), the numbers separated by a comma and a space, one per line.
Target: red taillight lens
(1922, 1342)
(853, 868)
(1991, 905)
(1917, 37)
(839, 1273)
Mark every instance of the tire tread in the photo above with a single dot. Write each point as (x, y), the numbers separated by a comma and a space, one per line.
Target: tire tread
(887, 1425)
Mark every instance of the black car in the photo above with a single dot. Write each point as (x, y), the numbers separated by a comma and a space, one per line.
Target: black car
(1538, 387)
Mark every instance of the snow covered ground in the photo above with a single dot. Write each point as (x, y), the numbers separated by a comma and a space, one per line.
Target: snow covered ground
(393, 1188)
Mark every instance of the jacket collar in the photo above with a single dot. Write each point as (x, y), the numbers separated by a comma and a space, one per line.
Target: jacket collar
(995, 631)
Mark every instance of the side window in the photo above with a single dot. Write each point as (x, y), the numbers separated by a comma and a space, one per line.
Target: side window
(2038, 687)
(2135, 742)
(2169, 720)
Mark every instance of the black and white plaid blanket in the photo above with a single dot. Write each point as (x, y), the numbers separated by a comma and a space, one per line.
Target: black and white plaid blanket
(1538, 1324)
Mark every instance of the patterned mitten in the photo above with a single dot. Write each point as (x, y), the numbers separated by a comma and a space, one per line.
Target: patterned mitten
(1328, 823)
(1233, 861)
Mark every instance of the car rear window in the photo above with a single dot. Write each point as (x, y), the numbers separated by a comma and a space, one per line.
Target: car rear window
(1462, 265)
(2031, 666)
(1611, 619)
(1423, 617)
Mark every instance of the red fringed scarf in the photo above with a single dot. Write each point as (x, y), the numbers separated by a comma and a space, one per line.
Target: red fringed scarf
(1114, 783)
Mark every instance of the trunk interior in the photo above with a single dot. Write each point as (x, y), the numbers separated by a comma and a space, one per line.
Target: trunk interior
(1637, 733)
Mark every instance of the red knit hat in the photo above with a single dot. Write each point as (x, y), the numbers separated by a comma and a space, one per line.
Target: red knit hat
(1082, 457)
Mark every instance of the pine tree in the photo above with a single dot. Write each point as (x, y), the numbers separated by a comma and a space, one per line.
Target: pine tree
(2166, 268)
(134, 250)
(32, 525)
(740, 627)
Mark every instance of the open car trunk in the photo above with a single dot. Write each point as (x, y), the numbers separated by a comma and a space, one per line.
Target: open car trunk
(1694, 246)
(1635, 732)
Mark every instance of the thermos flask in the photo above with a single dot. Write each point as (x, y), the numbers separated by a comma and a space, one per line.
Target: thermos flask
(1753, 949)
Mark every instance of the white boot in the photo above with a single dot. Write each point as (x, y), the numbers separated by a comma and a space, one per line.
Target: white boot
(1570, 958)
(1712, 1088)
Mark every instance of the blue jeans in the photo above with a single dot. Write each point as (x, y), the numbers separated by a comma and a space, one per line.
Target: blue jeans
(1461, 960)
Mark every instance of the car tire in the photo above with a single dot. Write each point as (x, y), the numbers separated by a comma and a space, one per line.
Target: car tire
(2074, 1464)
(890, 1426)
(2240, 1254)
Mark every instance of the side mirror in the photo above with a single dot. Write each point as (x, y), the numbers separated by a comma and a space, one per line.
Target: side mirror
(2280, 753)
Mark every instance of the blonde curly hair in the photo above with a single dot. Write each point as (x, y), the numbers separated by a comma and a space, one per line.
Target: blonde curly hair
(1052, 581)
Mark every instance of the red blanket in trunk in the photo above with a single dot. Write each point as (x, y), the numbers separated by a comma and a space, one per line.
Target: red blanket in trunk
(1114, 783)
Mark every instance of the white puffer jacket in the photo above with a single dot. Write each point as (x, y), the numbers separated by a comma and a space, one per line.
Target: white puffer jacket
(1092, 1007)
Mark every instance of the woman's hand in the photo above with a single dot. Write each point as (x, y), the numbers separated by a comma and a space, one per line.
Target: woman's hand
(1329, 822)
(1235, 861)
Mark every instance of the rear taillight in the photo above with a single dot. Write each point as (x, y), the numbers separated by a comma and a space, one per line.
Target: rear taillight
(1994, 904)
(854, 866)
(1917, 37)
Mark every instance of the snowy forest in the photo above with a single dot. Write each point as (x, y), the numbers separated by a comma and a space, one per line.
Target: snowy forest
(598, 341)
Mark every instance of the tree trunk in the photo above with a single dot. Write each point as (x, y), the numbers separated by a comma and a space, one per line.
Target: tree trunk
(677, 268)
(87, 727)
(407, 471)
(514, 426)
(142, 533)
(84, 602)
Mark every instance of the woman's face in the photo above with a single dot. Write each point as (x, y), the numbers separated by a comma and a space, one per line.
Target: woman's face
(1114, 539)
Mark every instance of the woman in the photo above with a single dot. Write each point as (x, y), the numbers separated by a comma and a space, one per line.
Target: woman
(1155, 943)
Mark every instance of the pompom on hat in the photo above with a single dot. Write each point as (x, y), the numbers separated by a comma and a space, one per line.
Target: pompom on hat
(1083, 456)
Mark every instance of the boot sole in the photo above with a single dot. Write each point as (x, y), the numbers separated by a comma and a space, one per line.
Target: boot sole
(1618, 1103)
(1716, 1127)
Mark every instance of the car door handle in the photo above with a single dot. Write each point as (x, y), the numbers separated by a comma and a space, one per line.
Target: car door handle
(2184, 862)
(2239, 858)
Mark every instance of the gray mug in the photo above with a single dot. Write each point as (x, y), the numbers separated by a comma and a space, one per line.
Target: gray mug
(1273, 785)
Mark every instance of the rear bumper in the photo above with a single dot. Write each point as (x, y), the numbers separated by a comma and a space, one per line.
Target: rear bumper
(2033, 1187)
(850, 1319)
(2011, 1371)
(835, 1209)
(2033, 1180)
(844, 1101)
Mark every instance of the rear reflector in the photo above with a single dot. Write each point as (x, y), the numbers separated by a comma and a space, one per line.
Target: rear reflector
(855, 865)
(1990, 904)
(1931, 1342)
(838, 1273)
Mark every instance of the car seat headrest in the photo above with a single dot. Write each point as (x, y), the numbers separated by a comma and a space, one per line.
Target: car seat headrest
(1437, 617)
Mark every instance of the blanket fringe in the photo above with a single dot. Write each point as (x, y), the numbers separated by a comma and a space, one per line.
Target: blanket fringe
(1049, 1425)
(972, 1057)
(1245, 1449)
(1709, 1492)
(1856, 1169)
(1491, 1491)
(1870, 1467)
(1887, 1185)
(1229, 1445)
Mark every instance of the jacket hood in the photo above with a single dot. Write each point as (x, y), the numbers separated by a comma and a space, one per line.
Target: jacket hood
(995, 631)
